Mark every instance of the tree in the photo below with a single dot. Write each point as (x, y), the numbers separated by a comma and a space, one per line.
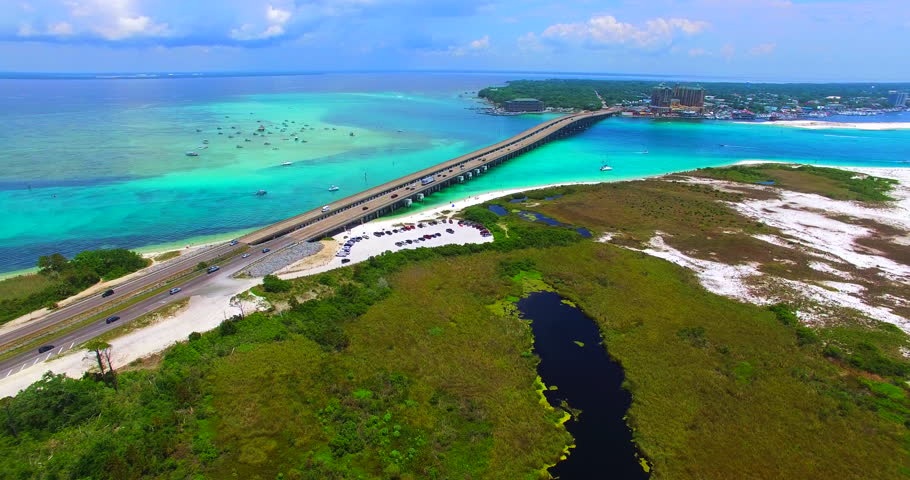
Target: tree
(52, 264)
(102, 351)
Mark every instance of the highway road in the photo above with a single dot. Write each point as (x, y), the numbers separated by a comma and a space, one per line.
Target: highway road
(65, 342)
(121, 292)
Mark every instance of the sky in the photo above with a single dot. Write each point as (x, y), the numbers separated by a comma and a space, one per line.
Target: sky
(826, 40)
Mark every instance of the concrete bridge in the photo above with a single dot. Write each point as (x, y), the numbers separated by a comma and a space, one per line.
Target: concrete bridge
(399, 193)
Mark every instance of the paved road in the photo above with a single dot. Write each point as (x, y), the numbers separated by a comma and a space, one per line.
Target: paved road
(121, 292)
(63, 343)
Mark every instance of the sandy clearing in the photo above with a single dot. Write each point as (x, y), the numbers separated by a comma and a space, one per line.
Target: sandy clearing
(716, 277)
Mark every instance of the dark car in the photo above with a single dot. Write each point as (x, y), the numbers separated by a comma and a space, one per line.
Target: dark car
(449, 230)
(366, 208)
(345, 260)
(266, 250)
(45, 348)
(410, 241)
(107, 293)
(395, 196)
(213, 269)
(111, 319)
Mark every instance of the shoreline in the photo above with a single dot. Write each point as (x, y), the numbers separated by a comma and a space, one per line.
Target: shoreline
(824, 125)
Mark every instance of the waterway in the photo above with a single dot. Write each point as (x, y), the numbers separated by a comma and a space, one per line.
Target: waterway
(573, 360)
(100, 163)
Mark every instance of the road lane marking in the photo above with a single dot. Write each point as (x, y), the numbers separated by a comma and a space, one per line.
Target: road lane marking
(71, 345)
(23, 367)
(9, 372)
(48, 356)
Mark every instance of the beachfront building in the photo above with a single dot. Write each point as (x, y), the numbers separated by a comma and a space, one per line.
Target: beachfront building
(661, 98)
(690, 98)
(897, 99)
(523, 105)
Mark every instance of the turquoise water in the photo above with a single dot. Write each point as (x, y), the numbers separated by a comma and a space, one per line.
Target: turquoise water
(101, 163)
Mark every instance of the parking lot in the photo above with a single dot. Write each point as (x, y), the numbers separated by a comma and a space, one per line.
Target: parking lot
(372, 239)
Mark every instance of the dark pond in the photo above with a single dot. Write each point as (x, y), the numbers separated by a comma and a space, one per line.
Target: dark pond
(588, 380)
(541, 217)
(584, 232)
(767, 182)
(518, 200)
(554, 197)
(498, 210)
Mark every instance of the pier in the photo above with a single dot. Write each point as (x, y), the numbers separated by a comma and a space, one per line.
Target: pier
(399, 193)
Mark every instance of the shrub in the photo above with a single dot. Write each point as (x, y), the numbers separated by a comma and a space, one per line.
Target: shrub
(785, 314)
(273, 284)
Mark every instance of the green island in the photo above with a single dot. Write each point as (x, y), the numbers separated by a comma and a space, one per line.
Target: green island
(399, 368)
(59, 278)
(579, 94)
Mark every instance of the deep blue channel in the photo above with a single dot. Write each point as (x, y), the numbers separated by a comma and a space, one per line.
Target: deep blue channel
(588, 380)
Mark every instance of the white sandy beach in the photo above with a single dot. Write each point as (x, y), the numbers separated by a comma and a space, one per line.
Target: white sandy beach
(819, 125)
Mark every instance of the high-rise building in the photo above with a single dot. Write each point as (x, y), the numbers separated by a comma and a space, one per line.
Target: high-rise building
(897, 99)
(661, 97)
(690, 98)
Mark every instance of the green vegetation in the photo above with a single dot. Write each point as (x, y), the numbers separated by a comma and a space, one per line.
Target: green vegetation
(167, 256)
(22, 286)
(830, 182)
(399, 368)
(579, 93)
(59, 278)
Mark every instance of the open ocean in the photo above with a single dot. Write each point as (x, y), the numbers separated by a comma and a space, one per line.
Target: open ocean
(100, 162)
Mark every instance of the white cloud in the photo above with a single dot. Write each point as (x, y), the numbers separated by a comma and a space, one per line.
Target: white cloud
(606, 30)
(277, 16)
(481, 43)
(60, 28)
(763, 49)
(276, 19)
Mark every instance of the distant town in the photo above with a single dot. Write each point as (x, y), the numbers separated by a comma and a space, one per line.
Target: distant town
(722, 101)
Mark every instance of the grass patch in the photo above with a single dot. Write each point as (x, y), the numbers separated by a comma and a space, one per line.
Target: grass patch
(167, 256)
(22, 286)
(829, 182)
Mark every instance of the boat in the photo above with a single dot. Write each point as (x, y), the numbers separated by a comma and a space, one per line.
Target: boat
(261, 193)
(192, 154)
(333, 188)
(606, 168)
(286, 164)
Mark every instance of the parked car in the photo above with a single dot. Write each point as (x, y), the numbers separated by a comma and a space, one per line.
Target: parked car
(410, 241)
(266, 250)
(45, 348)
(345, 260)
(395, 195)
(245, 255)
(449, 230)
(174, 290)
(233, 242)
(111, 319)
(365, 208)
(107, 293)
(213, 269)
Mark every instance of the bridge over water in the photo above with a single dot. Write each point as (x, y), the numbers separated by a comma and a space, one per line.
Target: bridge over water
(383, 199)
